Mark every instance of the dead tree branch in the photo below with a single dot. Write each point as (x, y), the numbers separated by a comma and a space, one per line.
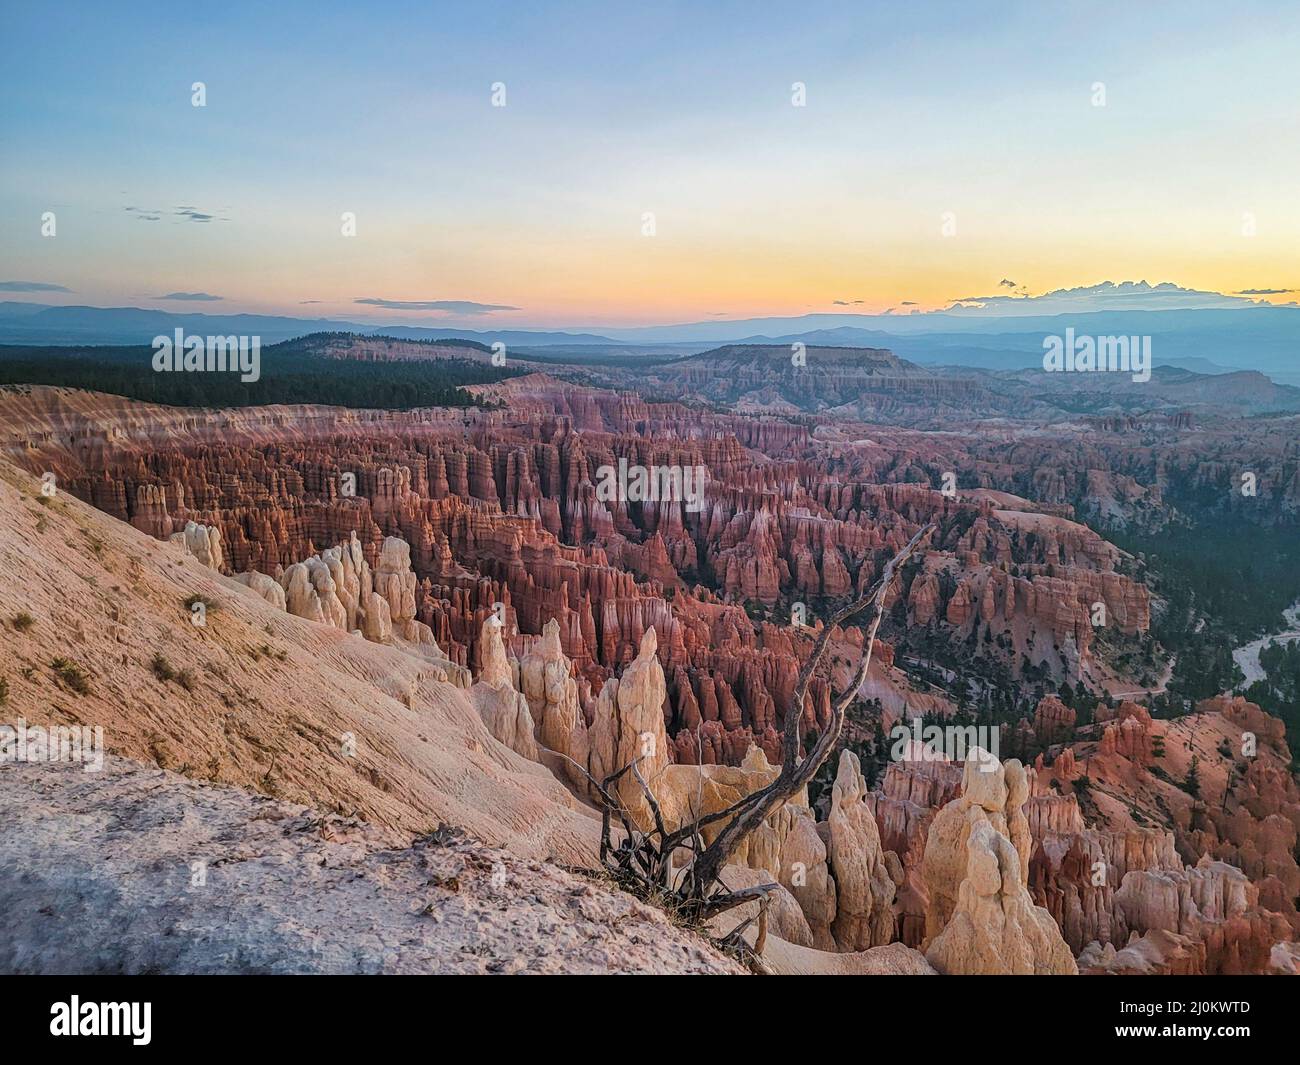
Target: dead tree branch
(795, 773)
(642, 860)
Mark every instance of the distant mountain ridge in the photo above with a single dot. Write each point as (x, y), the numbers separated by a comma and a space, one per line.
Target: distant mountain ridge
(1207, 339)
(32, 323)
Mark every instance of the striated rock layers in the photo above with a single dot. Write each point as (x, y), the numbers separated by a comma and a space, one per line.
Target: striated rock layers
(501, 514)
(883, 867)
(1121, 855)
(1201, 920)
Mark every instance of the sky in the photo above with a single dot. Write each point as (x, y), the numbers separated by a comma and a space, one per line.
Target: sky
(942, 152)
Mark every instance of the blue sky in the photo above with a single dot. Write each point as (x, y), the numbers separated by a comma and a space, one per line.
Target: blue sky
(914, 113)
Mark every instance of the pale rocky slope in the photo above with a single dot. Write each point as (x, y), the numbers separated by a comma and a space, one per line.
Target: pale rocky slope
(95, 868)
(98, 875)
(273, 698)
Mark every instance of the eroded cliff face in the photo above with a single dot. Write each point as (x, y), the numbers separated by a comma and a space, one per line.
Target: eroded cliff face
(987, 869)
(837, 885)
(1137, 874)
(1011, 870)
(472, 550)
(1154, 839)
(254, 697)
(500, 514)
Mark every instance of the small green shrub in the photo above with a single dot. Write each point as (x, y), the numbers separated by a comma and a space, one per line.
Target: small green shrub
(162, 669)
(72, 675)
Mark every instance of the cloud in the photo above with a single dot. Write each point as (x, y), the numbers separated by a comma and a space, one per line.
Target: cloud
(31, 286)
(1106, 296)
(449, 306)
(190, 297)
(1004, 283)
(908, 303)
(309, 301)
(185, 212)
(1263, 292)
(846, 303)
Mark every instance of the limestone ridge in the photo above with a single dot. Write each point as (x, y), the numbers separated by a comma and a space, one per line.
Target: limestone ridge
(500, 507)
(255, 697)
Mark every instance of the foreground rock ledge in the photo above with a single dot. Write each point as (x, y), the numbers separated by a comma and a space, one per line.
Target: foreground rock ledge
(139, 870)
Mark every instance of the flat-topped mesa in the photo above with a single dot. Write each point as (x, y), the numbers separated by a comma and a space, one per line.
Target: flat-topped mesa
(765, 376)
